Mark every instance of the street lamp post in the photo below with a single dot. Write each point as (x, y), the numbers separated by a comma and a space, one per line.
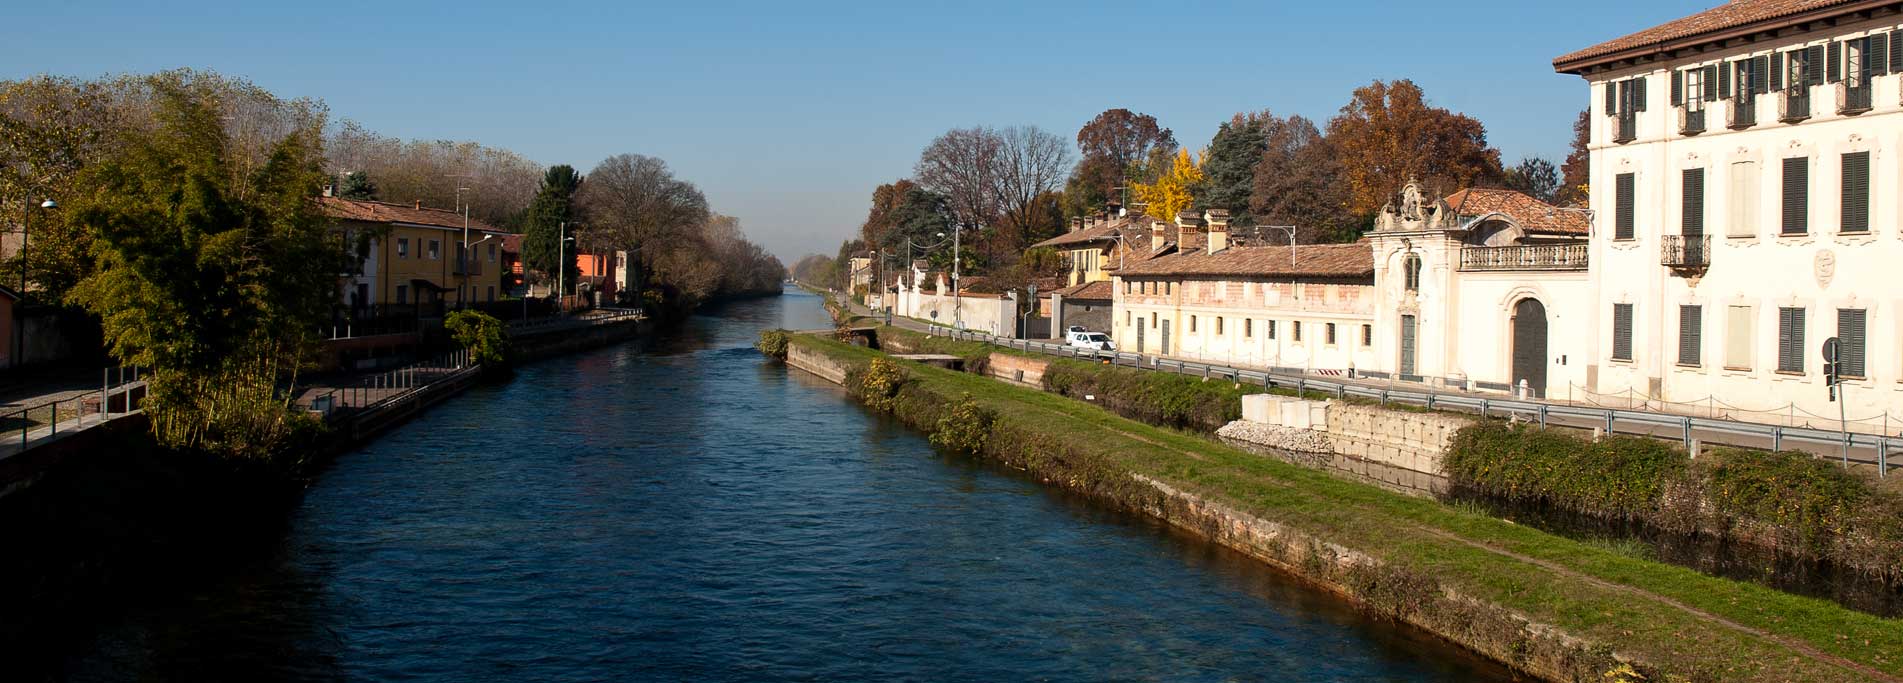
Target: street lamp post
(561, 268)
(462, 290)
(26, 221)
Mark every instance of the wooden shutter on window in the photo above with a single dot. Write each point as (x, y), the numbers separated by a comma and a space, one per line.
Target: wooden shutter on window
(1850, 342)
(1760, 78)
(1790, 339)
(1876, 54)
(1622, 209)
(1622, 331)
(1834, 71)
(1612, 98)
(1692, 208)
(1814, 65)
(1638, 94)
(1776, 71)
(1678, 87)
(1856, 192)
(1896, 56)
(1723, 78)
(1796, 195)
(1691, 324)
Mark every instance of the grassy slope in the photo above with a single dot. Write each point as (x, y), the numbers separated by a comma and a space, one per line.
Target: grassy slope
(1683, 622)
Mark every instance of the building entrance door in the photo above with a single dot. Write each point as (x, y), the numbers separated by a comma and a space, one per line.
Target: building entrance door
(1529, 345)
(1407, 346)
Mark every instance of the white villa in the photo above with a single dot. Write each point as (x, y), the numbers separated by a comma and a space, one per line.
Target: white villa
(1745, 175)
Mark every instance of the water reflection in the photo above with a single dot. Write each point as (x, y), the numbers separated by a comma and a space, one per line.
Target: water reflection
(689, 512)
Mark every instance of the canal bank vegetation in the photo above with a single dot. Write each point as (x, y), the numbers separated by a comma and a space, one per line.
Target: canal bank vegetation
(1788, 502)
(1556, 608)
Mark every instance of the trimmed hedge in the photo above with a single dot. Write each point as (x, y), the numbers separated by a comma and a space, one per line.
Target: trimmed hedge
(1620, 477)
(1162, 399)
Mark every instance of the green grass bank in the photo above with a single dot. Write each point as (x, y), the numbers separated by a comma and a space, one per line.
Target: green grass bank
(1555, 608)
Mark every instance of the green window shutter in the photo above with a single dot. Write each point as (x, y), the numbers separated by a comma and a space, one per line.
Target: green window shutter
(1622, 331)
(1814, 65)
(1856, 192)
(1834, 70)
(1623, 223)
(1876, 54)
(1850, 342)
(1612, 98)
(1692, 208)
(1678, 87)
(1796, 196)
(1690, 334)
(1638, 94)
(1722, 74)
(1777, 70)
(1761, 66)
(1790, 340)
(1896, 55)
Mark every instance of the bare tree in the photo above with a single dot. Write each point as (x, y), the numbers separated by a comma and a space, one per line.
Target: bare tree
(962, 165)
(1030, 162)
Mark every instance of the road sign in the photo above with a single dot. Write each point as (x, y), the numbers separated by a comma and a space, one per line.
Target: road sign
(1831, 347)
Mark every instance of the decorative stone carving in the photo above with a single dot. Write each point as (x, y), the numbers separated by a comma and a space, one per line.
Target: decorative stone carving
(1825, 264)
(1411, 202)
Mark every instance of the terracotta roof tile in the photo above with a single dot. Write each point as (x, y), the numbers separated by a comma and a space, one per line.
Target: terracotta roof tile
(1532, 214)
(1735, 15)
(1134, 228)
(386, 212)
(1310, 260)
(1099, 290)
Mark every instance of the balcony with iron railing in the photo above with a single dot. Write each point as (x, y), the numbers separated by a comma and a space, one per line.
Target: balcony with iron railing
(1625, 127)
(1686, 252)
(1853, 98)
(1691, 118)
(1524, 257)
(1744, 111)
(1793, 104)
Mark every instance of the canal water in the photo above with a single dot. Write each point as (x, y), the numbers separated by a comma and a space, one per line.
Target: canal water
(690, 511)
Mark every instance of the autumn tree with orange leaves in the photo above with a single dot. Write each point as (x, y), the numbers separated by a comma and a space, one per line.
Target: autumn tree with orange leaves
(1388, 134)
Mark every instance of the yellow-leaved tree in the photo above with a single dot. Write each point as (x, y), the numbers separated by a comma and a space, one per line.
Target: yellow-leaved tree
(1170, 194)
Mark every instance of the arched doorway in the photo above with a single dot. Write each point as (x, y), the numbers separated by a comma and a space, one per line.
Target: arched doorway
(1529, 345)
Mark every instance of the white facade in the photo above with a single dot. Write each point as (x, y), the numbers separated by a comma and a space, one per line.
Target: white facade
(926, 298)
(1719, 324)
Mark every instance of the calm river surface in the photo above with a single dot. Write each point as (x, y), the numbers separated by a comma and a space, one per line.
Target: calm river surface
(689, 511)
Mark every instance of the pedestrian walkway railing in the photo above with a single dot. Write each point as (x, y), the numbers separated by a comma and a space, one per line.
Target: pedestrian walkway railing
(1863, 448)
(366, 392)
(594, 317)
(39, 422)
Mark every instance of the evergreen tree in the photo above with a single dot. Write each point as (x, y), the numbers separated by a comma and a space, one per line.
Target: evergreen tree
(553, 205)
(357, 185)
(1229, 167)
(1534, 177)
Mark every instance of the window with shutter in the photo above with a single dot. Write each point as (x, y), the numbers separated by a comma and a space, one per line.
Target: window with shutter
(1622, 332)
(1638, 95)
(1717, 83)
(1796, 196)
(1330, 329)
(1692, 206)
(1623, 218)
(1760, 76)
(1850, 342)
(1896, 54)
(1271, 330)
(1248, 328)
(1790, 340)
(1834, 71)
(1739, 323)
(1678, 87)
(1856, 192)
(1776, 71)
(1691, 326)
(1742, 200)
(1612, 98)
(1367, 335)
(1814, 65)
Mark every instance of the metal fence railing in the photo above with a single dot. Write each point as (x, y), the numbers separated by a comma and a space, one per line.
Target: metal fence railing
(595, 317)
(1861, 448)
(41, 422)
(365, 392)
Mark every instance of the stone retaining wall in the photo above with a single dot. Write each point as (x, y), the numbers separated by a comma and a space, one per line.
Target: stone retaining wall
(1012, 368)
(1398, 449)
(816, 363)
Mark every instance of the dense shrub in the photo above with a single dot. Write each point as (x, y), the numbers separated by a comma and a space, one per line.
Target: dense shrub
(878, 384)
(772, 343)
(481, 333)
(964, 427)
(1617, 477)
(1794, 491)
(1158, 398)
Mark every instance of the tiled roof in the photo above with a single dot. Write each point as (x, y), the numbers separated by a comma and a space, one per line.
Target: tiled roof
(1737, 15)
(1309, 260)
(1134, 228)
(1099, 290)
(386, 212)
(1532, 214)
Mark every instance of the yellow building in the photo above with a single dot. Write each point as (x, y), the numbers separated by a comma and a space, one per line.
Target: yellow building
(408, 257)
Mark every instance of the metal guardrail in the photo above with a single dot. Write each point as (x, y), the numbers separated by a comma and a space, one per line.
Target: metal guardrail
(41, 422)
(1610, 419)
(597, 316)
(369, 392)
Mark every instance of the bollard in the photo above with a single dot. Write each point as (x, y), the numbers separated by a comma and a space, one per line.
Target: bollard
(1687, 422)
(1542, 416)
(1777, 438)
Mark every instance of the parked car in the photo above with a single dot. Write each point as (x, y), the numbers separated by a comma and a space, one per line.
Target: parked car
(1078, 338)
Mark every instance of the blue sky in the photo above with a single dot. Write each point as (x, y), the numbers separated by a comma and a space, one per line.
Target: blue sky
(788, 114)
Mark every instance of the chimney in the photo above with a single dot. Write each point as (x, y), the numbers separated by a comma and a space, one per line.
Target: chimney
(1218, 220)
(1076, 224)
(1114, 209)
(1189, 228)
(1158, 230)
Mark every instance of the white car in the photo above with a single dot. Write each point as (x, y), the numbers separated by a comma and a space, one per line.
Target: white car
(1077, 338)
